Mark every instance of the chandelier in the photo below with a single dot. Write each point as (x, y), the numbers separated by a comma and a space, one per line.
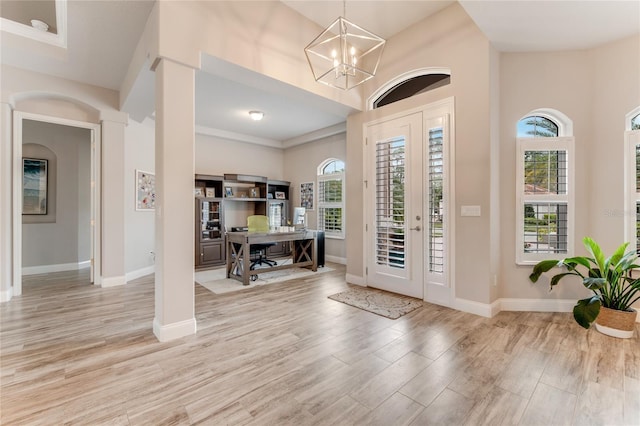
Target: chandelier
(344, 55)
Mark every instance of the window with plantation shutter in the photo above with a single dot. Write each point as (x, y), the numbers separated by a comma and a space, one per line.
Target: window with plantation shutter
(545, 188)
(632, 180)
(331, 198)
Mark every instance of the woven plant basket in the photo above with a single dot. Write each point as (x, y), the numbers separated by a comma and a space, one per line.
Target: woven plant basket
(616, 323)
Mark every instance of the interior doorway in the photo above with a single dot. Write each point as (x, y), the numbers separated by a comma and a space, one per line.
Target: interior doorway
(30, 125)
(408, 196)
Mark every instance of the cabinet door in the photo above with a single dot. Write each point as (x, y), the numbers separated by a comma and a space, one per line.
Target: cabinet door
(211, 253)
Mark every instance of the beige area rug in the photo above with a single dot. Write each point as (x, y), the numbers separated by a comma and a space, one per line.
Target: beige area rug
(215, 280)
(379, 302)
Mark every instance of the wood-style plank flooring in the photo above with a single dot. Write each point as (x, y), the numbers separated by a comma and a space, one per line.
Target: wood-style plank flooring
(285, 354)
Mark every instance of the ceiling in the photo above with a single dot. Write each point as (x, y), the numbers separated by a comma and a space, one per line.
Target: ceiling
(103, 34)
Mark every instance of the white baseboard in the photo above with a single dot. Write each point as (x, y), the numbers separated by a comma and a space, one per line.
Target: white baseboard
(523, 305)
(113, 281)
(354, 279)
(168, 332)
(46, 269)
(537, 305)
(130, 276)
(473, 307)
(6, 295)
(335, 259)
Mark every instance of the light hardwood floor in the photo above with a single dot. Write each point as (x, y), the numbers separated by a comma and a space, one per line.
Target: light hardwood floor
(73, 353)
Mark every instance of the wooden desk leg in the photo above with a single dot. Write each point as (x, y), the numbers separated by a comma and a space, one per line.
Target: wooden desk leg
(246, 262)
(229, 255)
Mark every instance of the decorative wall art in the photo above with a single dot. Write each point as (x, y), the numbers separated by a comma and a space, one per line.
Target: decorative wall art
(306, 195)
(34, 186)
(145, 191)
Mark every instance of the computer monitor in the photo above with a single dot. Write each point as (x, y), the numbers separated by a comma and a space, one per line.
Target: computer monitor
(298, 216)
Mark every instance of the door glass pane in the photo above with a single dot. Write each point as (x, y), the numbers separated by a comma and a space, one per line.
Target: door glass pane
(545, 172)
(390, 203)
(435, 174)
(545, 228)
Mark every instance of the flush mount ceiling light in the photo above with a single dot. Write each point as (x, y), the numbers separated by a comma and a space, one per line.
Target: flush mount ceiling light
(344, 55)
(256, 115)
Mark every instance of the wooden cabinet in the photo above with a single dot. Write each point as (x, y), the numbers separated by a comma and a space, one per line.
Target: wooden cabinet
(209, 233)
(279, 212)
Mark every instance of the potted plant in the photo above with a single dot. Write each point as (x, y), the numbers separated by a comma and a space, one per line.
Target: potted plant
(611, 281)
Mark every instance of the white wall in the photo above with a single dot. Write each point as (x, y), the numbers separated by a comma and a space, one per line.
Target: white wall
(67, 240)
(301, 165)
(139, 225)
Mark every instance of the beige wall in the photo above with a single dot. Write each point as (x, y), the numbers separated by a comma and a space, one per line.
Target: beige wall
(301, 165)
(39, 93)
(66, 239)
(215, 156)
(595, 89)
(139, 225)
(448, 39)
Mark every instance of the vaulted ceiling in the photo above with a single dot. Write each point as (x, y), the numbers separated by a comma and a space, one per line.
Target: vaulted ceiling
(101, 36)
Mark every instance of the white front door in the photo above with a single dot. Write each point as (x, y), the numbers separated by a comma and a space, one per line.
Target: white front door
(408, 198)
(394, 205)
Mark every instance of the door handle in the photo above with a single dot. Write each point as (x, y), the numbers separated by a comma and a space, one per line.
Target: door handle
(417, 228)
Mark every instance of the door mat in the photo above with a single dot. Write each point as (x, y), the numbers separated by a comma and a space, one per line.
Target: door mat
(389, 305)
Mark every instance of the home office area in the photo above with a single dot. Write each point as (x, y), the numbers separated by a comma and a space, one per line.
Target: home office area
(158, 146)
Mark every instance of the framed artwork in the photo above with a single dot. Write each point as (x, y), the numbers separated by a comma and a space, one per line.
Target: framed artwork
(34, 186)
(228, 191)
(198, 191)
(210, 192)
(145, 191)
(280, 195)
(306, 195)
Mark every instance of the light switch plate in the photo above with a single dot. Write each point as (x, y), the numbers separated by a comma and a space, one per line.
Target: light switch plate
(469, 210)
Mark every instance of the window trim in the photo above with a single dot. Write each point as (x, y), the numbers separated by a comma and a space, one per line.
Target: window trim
(631, 194)
(401, 79)
(566, 142)
(342, 205)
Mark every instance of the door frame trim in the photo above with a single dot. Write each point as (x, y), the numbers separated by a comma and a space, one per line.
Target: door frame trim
(18, 118)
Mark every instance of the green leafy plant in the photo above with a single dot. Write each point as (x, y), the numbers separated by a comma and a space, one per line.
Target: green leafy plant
(609, 279)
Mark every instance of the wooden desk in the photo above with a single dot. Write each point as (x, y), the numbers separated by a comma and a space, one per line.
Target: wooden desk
(304, 251)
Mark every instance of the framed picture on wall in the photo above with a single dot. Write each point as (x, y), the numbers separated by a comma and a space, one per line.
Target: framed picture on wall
(145, 191)
(34, 186)
(306, 195)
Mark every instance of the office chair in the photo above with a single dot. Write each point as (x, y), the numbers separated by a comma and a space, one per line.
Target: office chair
(259, 223)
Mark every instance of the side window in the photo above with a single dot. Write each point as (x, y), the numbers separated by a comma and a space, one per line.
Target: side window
(632, 180)
(545, 193)
(331, 198)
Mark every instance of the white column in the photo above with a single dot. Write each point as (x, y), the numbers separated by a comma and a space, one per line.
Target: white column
(112, 256)
(175, 140)
(6, 208)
